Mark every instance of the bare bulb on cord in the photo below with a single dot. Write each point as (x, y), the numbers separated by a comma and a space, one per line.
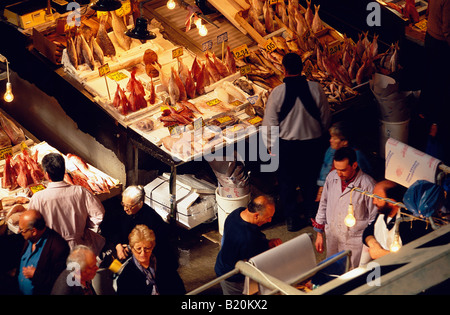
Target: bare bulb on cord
(9, 96)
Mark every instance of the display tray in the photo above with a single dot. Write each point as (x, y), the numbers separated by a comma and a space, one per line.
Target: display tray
(43, 148)
(235, 110)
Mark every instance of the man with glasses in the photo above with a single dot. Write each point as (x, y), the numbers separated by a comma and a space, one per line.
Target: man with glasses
(137, 212)
(43, 256)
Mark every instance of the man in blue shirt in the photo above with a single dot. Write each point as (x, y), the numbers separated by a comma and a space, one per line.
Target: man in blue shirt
(43, 257)
(243, 239)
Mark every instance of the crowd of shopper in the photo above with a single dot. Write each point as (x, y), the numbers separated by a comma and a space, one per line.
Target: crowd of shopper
(63, 243)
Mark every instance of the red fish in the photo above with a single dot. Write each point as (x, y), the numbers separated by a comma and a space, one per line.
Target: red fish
(230, 62)
(180, 85)
(190, 85)
(212, 70)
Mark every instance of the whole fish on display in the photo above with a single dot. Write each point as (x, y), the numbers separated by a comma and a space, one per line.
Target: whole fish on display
(103, 39)
(119, 30)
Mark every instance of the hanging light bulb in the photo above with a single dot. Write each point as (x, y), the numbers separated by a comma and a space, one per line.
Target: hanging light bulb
(171, 4)
(395, 246)
(350, 219)
(9, 96)
(203, 31)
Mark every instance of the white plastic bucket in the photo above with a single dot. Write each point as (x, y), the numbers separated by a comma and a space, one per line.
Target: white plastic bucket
(397, 130)
(227, 205)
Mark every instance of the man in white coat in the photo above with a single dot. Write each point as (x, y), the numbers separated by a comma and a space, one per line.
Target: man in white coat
(334, 204)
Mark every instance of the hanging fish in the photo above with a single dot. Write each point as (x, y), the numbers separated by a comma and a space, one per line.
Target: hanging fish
(317, 22)
(309, 16)
(230, 62)
(268, 17)
(174, 91)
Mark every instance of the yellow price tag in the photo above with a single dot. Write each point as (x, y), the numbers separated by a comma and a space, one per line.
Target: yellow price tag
(245, 69)
(35, 188)
(255, 120)
(101, 13)
(270, 45)
(177, 52)
(236, 103)
(213, 102)
(271, 2)
(103, 70)
(422, 25)
(117, 75)
(224, 119)
(241, 52)
(124, 9)
(5, 151)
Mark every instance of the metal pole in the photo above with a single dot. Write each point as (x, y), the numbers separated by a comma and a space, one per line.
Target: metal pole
(265, 279)
(213, 282)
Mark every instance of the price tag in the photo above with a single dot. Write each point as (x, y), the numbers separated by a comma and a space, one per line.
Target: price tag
(271, 2)
(117, 76)
(222, 38)
(223, 119)
(174, 130)
(241, 52)
(270, 45)
(334, 48)
(101, 13)
(177, 52)
(5, 151)
(207, 45)
(252, 99)
(422, 25)
(198, 123)
(124, 9)
(245, 69)
(35, 188)
(213, 102)
(255, 120)
(103, 70)
(236, 103)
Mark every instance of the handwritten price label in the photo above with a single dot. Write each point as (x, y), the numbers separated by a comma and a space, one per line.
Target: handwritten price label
(198, 123)
(5, 151)
(124, 9)
(177, 52)
(255, 120)
(117, 76)
(224, 119)
(103, 70)
(236, 103)
(213, 102)
(252, 99)
(207, 45)
(335, 48)
(241, 52)
(222, 38)
(270, 45)
(35, 188)
(271, 2)
(245, 69)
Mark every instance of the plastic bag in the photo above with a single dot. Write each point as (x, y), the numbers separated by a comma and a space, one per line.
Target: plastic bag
(423, 198)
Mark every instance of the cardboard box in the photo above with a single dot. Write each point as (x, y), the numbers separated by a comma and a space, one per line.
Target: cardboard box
(27, 14)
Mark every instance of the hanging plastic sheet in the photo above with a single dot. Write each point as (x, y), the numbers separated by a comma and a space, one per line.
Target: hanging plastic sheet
(423, 198)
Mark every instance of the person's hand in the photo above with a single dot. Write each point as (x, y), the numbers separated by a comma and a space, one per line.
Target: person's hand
(122, 251)
(28, 272)
(274, 242)
(319, 243)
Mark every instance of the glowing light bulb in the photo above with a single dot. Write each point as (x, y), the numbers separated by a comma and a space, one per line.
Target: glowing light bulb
(395, 246)
(350, 219)
(171, 4)
(203, 31)
(9, 96)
